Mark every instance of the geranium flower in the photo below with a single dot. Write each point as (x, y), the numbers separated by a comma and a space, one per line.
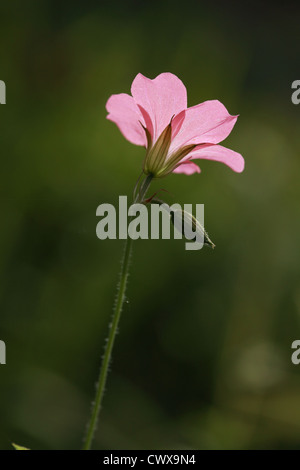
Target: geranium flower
(156, 116)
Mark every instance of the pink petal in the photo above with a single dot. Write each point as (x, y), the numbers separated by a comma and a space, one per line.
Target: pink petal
(124, 112)
(221, 154)
(208, 122)
(159, 99)
(187, 168)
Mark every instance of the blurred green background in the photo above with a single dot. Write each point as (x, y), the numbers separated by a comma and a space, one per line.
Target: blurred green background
(203, 358)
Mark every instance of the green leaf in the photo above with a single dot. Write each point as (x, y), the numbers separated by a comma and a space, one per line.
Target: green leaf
(17, 447)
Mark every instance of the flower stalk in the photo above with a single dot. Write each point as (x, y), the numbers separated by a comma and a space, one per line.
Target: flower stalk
(121, 293)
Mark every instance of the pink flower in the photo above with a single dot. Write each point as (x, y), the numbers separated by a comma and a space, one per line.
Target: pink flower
(157, 117)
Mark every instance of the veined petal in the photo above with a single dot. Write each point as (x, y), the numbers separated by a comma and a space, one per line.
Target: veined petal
(218, 153)
(188, 168)
(161, 99)
(208, 122)
(124, 112)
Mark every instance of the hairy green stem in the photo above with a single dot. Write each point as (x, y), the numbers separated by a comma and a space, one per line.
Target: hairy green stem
(100, 388)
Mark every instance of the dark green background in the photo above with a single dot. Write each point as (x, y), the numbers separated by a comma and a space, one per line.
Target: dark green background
(203, 358)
